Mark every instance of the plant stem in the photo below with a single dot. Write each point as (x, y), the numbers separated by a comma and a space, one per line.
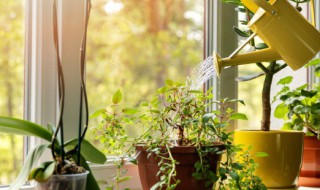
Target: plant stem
(61, 88)
(83, 93)
(266, 105)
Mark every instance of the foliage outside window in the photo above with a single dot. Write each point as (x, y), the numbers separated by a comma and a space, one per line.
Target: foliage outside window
(11, 82)
(136, 45)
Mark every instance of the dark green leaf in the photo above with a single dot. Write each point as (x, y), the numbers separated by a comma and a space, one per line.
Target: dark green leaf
(234, 176)
(315, 108)
(240, 32)
(237, 166)
(89, 152)
(307, 93)
(91, 181)
(300, 109)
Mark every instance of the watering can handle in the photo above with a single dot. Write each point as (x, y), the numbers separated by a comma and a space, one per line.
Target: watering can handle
(266, 6)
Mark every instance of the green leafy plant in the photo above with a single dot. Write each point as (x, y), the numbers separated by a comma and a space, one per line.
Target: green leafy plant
(46, 169)
(176, 116)
(300, 107)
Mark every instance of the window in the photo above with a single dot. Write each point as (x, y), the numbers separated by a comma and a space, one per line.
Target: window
(136, 45)
(12, 84)
(169, 47)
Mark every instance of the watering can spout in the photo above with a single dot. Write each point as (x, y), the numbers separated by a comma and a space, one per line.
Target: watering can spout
(263, 55)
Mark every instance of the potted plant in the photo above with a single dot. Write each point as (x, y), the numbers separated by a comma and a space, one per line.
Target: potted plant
(182, 143)
(69, 169)
(280, 145)
(300, 108)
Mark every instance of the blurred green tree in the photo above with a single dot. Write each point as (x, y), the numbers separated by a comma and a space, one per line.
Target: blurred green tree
(135, 45)
(11, 82)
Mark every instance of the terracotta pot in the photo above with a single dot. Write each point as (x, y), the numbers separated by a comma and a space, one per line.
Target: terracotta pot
(186, 156)
(310, 171)
(279, 170)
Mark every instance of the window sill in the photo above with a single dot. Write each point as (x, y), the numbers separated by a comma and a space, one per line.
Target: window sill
(104, 174)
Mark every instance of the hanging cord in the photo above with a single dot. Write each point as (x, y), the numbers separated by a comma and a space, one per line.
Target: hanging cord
(61, 88)
(83, 92)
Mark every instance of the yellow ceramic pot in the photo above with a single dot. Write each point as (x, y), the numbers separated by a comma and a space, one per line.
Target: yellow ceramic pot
(279, 170)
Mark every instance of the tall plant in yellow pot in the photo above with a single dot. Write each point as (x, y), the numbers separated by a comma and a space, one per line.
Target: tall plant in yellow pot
(278, 24)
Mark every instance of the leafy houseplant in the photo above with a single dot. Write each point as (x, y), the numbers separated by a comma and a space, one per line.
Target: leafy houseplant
(176, 121)
(69, 165)
(300, 108)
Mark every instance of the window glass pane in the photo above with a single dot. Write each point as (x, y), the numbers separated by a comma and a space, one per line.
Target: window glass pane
(11, 82)
(135, 45)
(249, 91)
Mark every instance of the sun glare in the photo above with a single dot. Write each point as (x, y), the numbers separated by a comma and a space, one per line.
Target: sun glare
(112, 7)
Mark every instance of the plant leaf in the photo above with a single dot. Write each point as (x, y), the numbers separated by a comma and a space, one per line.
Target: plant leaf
(313, 62)
(91, 181)
(241, 32)
(285, 80)
(281, 111)
(31, 160)
(241, 116)
(97, 113)
(124, 179)
(262, 154)
(117, 97)
(88, 151)
(130, 111)
(43, 172)
(307, 93)
(261, 46)
(234, 176)
(23, 127)
(249, 77)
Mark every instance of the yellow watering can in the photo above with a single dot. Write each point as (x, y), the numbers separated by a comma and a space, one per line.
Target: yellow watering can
(287, 33)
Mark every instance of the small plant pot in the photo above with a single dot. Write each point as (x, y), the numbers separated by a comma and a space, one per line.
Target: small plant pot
(310, 171)
(65, 182)
(186, 156)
